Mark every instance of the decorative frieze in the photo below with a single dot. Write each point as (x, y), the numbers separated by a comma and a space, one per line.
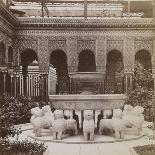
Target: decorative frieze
(26, 44)
(143, 45)
(57, 44)
(81, 34)
(115, 45)
(86, 45)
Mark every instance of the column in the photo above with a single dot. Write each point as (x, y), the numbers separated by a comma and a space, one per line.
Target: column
(43, 52)
(44, 87)
(129, 61)
(72, 59)
(101, 58)
(11, 76)
(4, 80)
(128, 83)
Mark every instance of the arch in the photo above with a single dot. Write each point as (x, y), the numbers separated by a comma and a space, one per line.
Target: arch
(28, 56)
(114, 72)
(2, 53)
(144, 58)
(10, 55)
(58, 59)
(86, 61)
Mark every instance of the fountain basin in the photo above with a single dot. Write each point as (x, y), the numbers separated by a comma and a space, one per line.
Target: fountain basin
(83, 102)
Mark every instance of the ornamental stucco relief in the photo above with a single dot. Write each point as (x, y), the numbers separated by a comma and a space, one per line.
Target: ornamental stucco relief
(143, 45)
(87, 45)
(57, 44)
(115, 45)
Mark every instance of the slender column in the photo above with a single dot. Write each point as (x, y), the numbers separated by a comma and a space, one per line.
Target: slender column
(15, 86)
(128, 80)
(11, 84)
(4, 79)
(44, 86)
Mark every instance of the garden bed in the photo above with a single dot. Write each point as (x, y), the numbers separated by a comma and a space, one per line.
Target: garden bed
(144, 150)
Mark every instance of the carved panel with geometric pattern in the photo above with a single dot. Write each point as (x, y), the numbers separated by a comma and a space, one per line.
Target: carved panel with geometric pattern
(143, 45)
(57, 44)
(72, 55)
(115, 45)
(86, 45)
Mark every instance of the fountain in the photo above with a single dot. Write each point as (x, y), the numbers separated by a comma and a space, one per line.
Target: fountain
(87, 88)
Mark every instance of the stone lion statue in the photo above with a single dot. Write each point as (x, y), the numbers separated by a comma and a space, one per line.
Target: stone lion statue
(112, 125)
(88, 125)
(134, 119)
(59, 124)
(41, 118)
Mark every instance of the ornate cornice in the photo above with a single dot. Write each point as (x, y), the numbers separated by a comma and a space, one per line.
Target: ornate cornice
(53, 22)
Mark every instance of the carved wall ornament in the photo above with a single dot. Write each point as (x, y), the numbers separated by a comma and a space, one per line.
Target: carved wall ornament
(87, 45)
(20, 45)
(143, 45)
(57, 44)
(115, 45)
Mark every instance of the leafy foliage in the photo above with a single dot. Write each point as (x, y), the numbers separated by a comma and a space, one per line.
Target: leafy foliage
(25, 146)
(145, 150)
(13, 111)
(142, 92)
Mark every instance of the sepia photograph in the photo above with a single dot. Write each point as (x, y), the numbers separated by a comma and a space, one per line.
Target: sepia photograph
(77, 77)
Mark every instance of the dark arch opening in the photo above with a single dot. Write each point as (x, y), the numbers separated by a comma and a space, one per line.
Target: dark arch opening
(10, 55)
(27, 57)
(144, 58)
(2, 53)
(114, 72)
(58, 59)
(86, 61)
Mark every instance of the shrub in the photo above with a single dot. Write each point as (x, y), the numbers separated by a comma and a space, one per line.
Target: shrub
(145, 150)
(15, 147)
(18, 109)
(142, 92)
(14, 111)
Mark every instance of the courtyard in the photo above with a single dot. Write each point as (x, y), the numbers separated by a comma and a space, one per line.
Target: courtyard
(77, 77)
